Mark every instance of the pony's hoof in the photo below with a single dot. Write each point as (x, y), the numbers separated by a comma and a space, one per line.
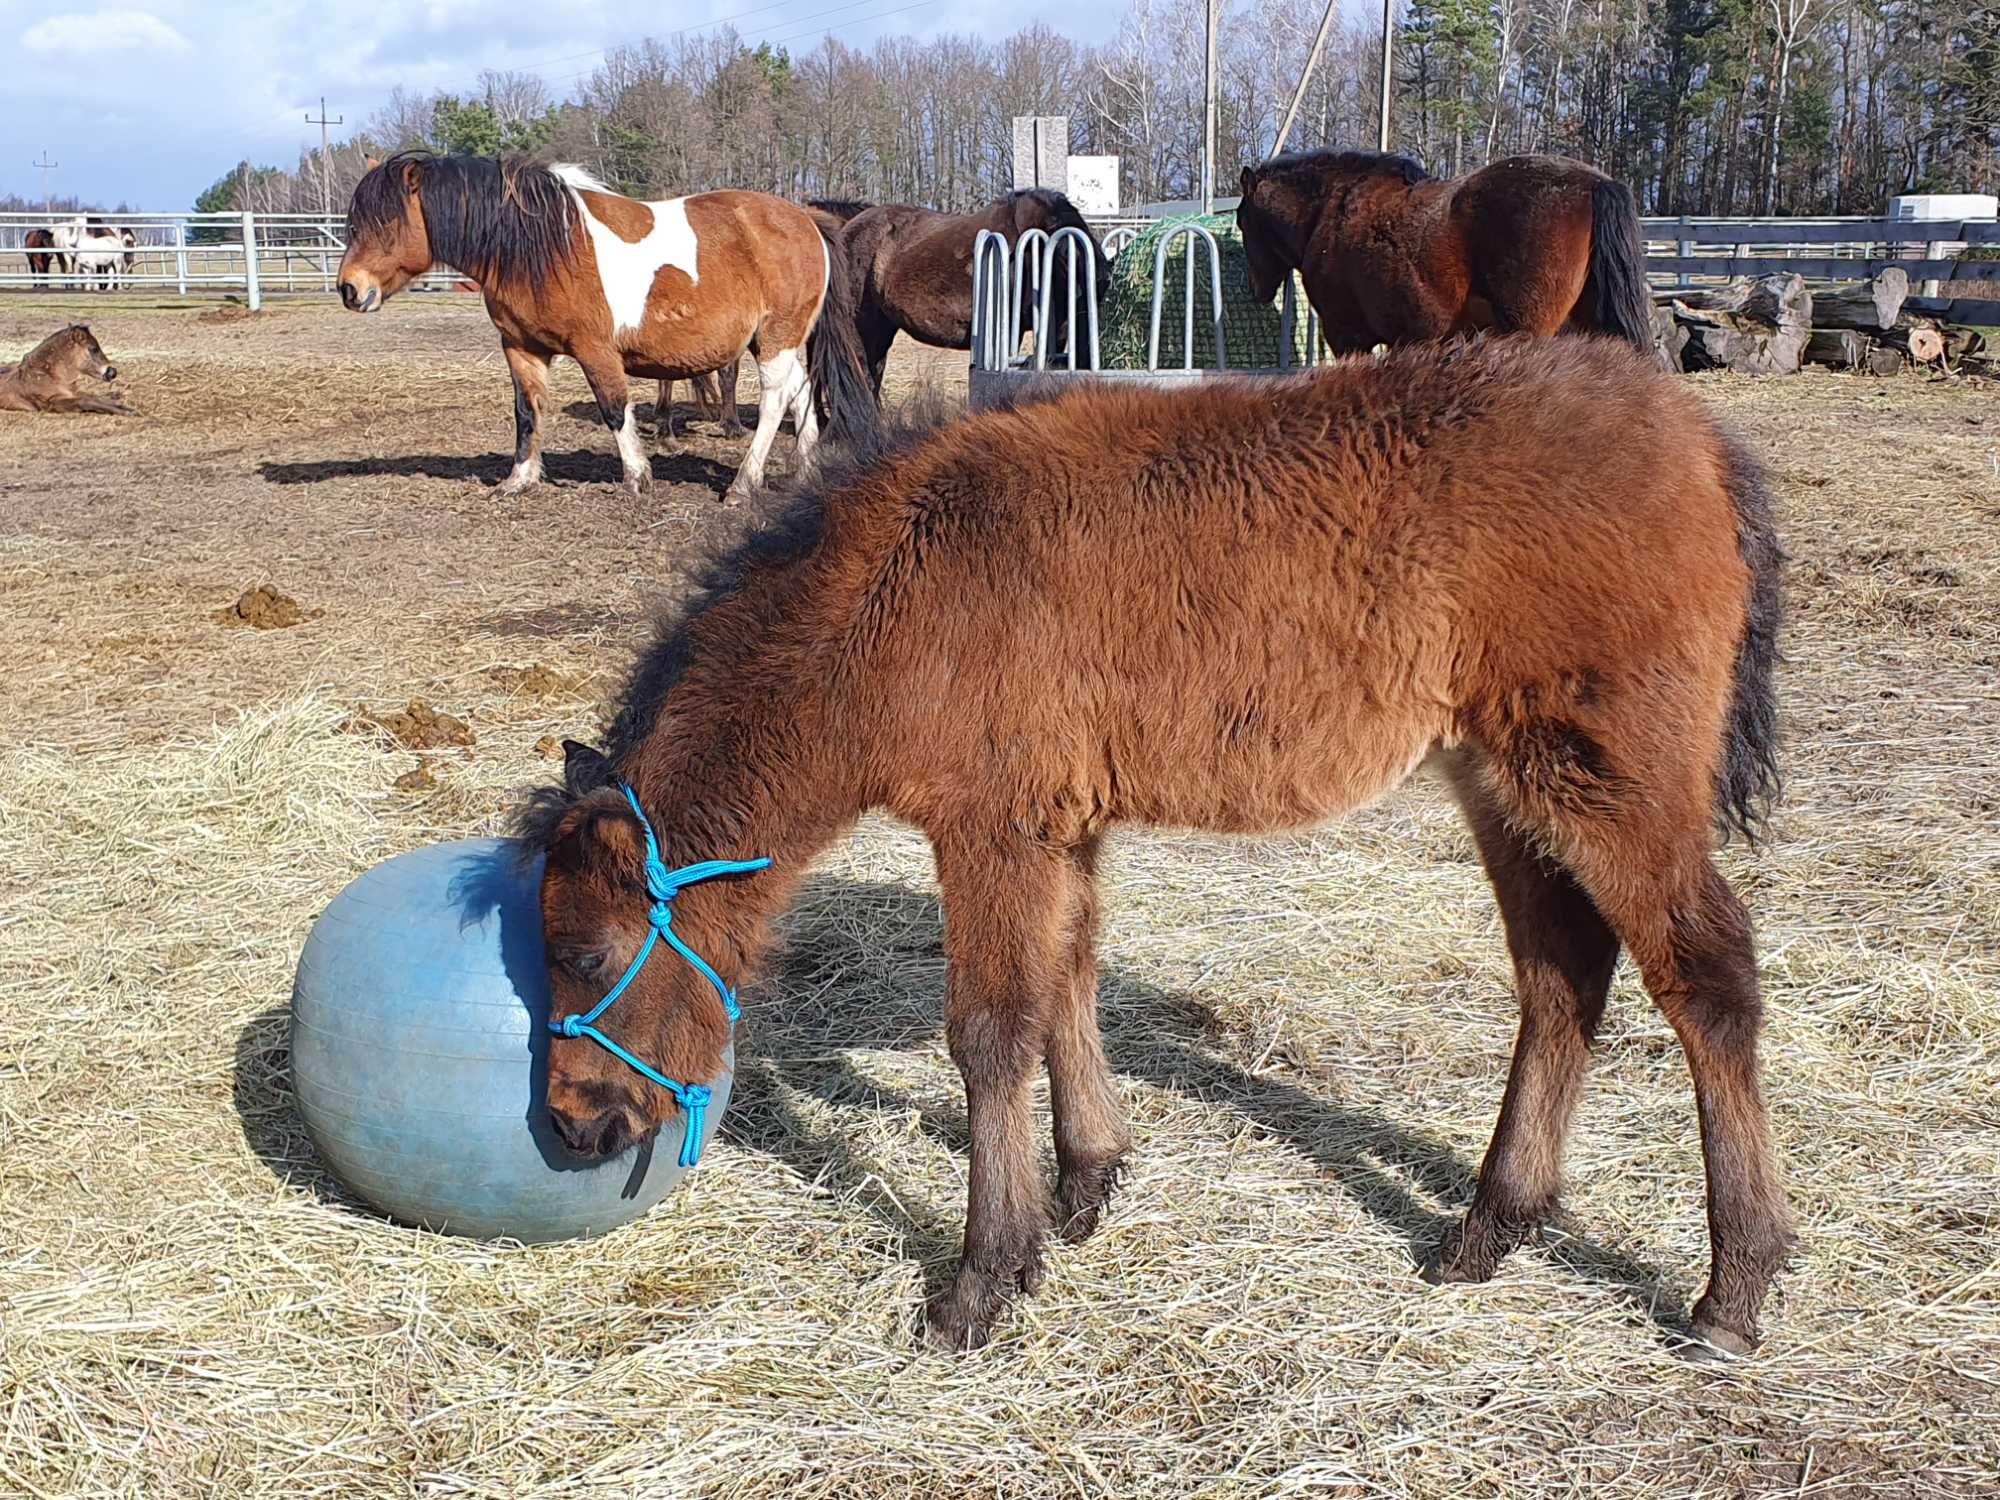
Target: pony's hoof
(1712, 1344)
(1471, 1251)
(1083, 1197)
(637, 484)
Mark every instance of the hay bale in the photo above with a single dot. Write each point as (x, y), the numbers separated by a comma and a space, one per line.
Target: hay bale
(1251, 328)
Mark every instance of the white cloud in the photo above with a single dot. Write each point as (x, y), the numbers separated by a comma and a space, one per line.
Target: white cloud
(106, 31)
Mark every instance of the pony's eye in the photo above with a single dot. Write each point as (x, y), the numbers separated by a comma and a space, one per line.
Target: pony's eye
(582, 963)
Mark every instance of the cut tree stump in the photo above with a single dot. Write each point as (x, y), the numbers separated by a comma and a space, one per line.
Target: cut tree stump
(1669, 338)
(1924, 346)
(1869, 306)
(1780, 300)
(1884, 360)
(1841, 348)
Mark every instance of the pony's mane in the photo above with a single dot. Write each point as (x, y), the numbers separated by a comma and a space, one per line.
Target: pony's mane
(1058, 205)
(845, 208)
(46, 351)
(1326, 161)
(509, 223)
(784, 523)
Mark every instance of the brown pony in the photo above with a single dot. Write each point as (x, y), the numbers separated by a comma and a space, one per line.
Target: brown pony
(1242, 606)
(715, 393)
(51, 376)
(43, 256)
(1532, 244)
(664, 291)
(914, 267)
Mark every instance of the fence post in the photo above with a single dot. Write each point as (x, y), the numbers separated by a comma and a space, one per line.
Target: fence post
(181, 254)
(251, 285)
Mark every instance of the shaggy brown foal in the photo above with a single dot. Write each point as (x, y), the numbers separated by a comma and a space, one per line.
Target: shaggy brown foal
(51, 376)
(1241, 606)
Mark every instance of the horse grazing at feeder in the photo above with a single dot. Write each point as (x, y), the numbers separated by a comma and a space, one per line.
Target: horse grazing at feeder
(663, 291)
(1531, 244)
(913, 267)
(1243, 606)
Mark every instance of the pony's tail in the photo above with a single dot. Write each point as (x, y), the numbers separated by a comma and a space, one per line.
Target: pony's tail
(1618, 265)
(1749, 781)
(843, 392)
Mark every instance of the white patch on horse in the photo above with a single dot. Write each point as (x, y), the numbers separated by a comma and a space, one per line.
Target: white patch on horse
(627, 269)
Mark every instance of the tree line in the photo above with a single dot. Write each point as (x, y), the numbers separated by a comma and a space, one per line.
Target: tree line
(1702, 106)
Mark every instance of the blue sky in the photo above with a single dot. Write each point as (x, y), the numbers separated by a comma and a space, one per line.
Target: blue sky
(150, 101)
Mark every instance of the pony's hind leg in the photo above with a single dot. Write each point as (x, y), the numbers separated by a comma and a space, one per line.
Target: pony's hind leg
(1563, 954)
(1631, 820)
(805, 418)
(1090, 1130)
(531, 387)
(1007, 933)
(778, 379)
(663, 417)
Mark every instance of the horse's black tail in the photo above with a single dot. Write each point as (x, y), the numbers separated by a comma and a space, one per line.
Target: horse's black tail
(843, 391)
(1618, 265)
(1749, 781)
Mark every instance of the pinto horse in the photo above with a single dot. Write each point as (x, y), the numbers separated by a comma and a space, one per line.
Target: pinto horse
(914, 266)
(1531, 244)
(1243, 606)
(662, 291)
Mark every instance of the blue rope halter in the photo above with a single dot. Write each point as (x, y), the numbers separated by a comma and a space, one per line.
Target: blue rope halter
(662, 885)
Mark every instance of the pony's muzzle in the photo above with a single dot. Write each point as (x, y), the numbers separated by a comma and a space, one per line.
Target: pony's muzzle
(354, 301)
(111, 372)
(594, 1135)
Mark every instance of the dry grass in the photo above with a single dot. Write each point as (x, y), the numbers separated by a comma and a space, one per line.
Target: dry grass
(1311, 1035)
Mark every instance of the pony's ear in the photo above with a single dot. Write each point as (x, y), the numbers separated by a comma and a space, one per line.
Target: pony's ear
(600, 837)
(370, 163)
(1249, 181)
(413, 172)
(585, 770)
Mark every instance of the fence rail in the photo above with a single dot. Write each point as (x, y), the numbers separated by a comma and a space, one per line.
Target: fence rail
(260, 255)
(257, 255)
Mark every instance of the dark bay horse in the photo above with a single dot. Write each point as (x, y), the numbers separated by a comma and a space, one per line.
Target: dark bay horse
(43, 255)
(1242, 606)
(1531, 244)
(663, 291)
(913, 267)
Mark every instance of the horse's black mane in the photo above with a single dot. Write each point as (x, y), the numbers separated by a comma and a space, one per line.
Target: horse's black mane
(1058, 205)
(786, 521)
(507, 222)
(844, 208)
(1324, 160)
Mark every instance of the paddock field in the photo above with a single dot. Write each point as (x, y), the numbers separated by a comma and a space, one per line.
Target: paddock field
(1311, 1032)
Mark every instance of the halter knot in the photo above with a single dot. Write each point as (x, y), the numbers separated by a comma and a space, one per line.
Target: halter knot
(662, 885)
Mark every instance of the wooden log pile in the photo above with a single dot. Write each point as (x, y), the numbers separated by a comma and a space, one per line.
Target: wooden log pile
(1771, 325)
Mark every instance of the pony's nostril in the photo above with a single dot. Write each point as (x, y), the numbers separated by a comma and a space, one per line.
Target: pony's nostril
(347, 296)
(111, 372)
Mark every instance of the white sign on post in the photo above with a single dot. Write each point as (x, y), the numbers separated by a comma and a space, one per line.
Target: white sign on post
(1093, 184)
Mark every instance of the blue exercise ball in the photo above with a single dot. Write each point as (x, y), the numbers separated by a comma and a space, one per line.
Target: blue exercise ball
(420, 1048)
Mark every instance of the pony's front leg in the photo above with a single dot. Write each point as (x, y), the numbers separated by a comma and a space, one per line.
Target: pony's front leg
(663, 418)
(531, 385)
(606, 375)
(1006, 934)
(778, 380)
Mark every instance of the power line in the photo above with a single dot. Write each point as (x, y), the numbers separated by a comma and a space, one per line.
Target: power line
(880, 15)
(325, 163)
(47, 166)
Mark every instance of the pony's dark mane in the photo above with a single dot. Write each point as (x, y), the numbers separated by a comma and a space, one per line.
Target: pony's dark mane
(784, 523)
(841, 208)
(509, 223)
(1326, 161)
(1058, 204)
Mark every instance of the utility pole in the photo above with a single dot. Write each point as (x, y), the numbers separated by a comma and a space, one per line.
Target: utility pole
(47, 166)
(1312, 61)
(1209, 84)
(1388, 34)
(325, 163)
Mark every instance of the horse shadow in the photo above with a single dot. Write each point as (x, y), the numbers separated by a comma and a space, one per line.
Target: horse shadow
(574, 466)
(1152, 1036)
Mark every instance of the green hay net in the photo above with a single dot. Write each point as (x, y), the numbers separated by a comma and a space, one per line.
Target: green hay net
(1250, 329)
